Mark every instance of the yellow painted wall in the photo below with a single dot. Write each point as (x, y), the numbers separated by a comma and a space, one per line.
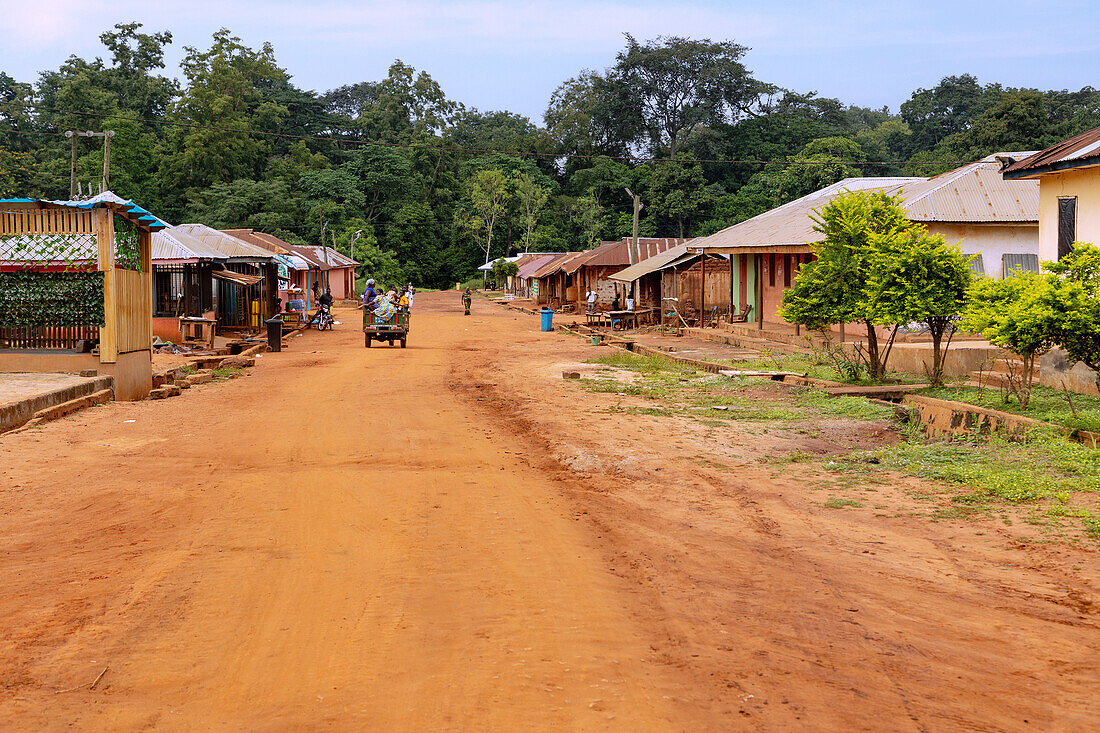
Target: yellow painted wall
(1085, 185)
(992, 241)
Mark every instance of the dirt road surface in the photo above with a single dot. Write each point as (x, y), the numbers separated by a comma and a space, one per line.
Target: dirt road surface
(451, 537)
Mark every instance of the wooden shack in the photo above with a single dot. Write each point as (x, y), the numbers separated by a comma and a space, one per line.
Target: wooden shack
(76, 289)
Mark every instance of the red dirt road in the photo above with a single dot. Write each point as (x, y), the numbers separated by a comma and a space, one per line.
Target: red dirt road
(449, 537)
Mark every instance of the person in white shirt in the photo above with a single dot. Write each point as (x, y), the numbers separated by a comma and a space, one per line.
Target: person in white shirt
(591, 298)
(629, 302)
(409, 294)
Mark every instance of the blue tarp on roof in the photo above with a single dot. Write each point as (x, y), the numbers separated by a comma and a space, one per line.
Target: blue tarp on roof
(132, 211)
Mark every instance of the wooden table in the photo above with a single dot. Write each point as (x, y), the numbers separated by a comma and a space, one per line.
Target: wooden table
(196, 330)
(621, 320)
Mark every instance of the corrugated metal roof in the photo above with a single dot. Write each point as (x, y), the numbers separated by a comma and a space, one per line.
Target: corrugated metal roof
(1076, 152)
(315, 253)
(659, 261)
(489, 265)
(175, 245)
(617, 254)
(790, 223)
(339, 259)
(529, 267)
(228, 245)
(554, 264)
(273, 244)
(974, 193)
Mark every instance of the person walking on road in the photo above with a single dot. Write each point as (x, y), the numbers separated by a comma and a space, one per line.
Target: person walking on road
(467, 300)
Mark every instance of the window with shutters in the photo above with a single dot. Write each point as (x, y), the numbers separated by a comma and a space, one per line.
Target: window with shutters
(1067, 225)
(771, 269)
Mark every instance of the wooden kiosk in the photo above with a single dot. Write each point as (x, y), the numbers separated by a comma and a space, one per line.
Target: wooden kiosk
(76, 289)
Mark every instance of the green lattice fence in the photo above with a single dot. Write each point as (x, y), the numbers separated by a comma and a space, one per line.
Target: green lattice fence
(50, 310)
(52, 250)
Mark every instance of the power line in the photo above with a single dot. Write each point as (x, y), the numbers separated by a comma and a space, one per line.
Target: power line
(459, 149)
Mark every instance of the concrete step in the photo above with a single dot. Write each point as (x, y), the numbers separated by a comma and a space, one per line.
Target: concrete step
(18, 412)
(67, 408)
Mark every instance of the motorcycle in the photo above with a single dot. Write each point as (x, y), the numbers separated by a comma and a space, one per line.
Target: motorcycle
(322, 319)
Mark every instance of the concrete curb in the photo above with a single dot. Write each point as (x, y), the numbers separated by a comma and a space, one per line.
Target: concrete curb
(17, 414)
(948, 418)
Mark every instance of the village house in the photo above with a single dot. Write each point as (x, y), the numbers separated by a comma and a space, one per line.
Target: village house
(183, 281)
(680, 285)
(594, 269)
(994, 220)
(297, 274)
(1068, 176)
(78, 284)
(246, 288)
(525, 284)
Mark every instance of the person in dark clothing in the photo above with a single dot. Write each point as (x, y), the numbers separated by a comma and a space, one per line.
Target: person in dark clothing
(616, 304)
(326, 299)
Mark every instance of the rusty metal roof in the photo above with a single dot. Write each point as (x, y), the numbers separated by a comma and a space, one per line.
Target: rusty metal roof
(530, 264)
(974, 193)
(617, 254)
(652, 264)
(1076, 152)
(555, 264)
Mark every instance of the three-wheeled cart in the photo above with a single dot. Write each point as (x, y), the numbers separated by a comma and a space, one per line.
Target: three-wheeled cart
(395, 328)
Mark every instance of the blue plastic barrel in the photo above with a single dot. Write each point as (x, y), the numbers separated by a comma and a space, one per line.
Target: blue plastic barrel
(547, 319)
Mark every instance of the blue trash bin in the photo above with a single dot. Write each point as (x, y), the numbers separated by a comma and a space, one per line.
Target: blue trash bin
(547, 319)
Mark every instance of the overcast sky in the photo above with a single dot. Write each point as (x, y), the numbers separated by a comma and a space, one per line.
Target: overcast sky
(511, 54)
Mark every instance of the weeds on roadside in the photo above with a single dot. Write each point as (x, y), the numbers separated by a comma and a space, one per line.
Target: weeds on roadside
(223, 373)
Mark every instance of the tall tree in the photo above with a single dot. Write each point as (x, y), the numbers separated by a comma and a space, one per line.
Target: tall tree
(224, 98)
(678, 191)
(489, 193)
(673, 85)
(532, 199)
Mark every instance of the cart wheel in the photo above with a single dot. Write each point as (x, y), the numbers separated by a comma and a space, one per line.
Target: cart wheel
(367, 338)
(402, 343)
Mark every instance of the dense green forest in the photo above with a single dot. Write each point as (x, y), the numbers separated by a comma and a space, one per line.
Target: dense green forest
(433, 185)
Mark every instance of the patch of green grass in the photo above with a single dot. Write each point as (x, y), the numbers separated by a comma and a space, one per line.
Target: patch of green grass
(836, 503)
(1049, 405)
(1048, 471)
(639, 363)
(223, 373)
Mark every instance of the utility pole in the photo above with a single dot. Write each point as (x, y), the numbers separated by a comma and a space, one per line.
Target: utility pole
(105, 181)
(634, 253)
(72, 166)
